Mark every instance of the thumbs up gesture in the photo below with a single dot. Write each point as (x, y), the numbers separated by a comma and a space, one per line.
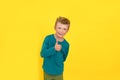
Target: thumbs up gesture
(57, 46)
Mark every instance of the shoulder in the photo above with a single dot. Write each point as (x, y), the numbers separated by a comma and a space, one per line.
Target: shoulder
(67, 43)
(49, 36)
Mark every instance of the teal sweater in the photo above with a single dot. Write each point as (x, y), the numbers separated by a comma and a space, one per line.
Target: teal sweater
(53, 60)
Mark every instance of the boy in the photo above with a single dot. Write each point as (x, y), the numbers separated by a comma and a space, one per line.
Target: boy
(55, 50)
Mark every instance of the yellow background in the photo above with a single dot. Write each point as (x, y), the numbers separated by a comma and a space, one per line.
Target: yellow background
(94, 36)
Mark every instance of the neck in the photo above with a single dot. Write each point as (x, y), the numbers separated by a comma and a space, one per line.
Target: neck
(59, 38)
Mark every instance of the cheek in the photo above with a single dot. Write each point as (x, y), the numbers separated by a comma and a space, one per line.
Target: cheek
(56, 30)
(65, 31)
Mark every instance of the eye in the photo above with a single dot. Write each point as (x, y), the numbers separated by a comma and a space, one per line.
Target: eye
(65, 29)
(59, 27)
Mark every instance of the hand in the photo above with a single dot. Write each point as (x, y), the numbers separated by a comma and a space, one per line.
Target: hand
(57, 46)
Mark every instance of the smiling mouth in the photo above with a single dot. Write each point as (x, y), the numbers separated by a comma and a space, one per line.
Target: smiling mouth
(60, 34)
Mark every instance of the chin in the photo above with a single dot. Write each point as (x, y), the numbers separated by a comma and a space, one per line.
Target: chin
(60, 36)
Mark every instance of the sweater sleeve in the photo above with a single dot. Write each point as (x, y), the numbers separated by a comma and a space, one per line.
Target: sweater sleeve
(65, 52)
(46, 51)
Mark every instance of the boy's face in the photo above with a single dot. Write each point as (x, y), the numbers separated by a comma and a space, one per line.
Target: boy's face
(61, 29)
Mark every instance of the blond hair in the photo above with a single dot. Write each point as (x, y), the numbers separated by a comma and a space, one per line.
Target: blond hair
(63, 20)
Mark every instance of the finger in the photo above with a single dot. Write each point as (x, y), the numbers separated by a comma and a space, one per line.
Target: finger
(56, 41)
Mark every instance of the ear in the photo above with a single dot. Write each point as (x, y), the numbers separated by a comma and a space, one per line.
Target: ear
(68, 28)
(67, 31)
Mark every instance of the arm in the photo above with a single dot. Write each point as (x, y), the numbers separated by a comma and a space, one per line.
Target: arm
(65, 52)
(46, 51)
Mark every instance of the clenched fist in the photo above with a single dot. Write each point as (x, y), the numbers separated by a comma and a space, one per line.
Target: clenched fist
(57, 46)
